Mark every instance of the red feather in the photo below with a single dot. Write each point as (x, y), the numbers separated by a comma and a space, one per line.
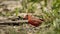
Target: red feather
(33, 21)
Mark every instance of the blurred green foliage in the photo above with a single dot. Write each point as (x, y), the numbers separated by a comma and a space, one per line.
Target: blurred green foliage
(51, 16)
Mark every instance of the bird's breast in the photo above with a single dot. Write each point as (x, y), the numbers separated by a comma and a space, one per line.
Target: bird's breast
(33, 22)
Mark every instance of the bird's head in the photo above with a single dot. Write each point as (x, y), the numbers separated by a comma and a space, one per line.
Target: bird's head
(27, 16)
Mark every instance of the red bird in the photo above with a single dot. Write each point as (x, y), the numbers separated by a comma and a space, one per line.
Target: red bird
(33, 21)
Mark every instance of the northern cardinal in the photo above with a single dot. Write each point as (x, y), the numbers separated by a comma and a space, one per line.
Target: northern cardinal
(33, 21)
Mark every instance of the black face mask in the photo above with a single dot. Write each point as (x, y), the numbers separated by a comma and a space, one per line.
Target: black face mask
(26, 17)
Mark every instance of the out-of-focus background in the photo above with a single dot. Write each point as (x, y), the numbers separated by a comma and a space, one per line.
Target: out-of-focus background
(49, 10)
